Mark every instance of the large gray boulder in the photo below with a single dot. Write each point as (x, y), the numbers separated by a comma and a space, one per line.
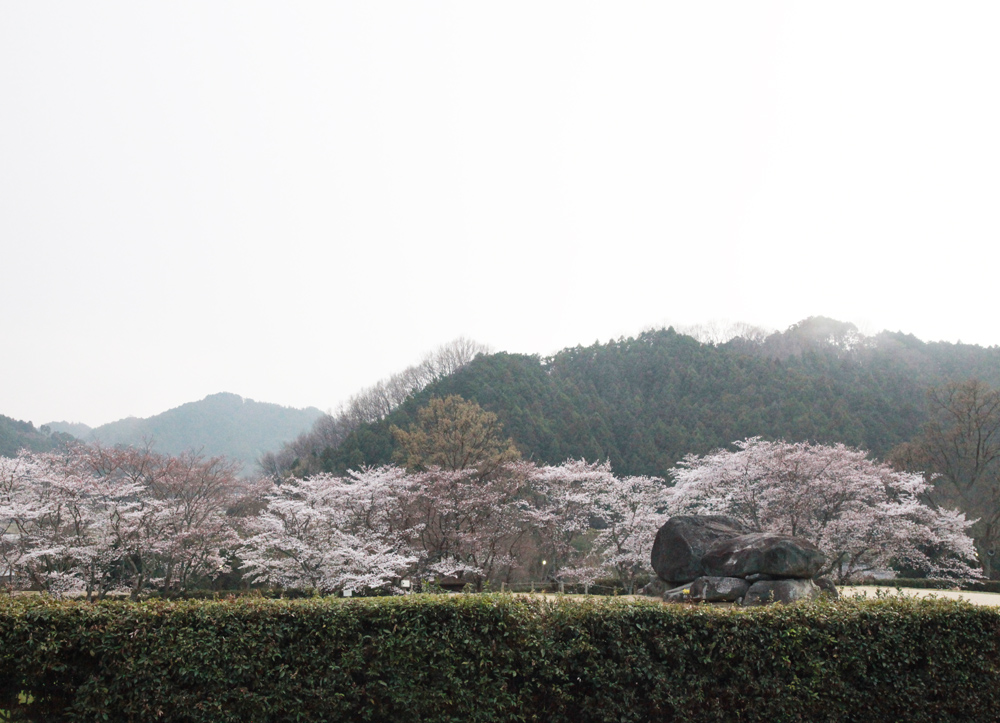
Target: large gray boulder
(781, 591)
(680, 594)
(827, 587)
(655, 588)
(718, 589)
(681, 542)
(763, 553)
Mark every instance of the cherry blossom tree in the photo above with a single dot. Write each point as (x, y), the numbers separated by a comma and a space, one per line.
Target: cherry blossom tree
(198, 532)
(633, 509)
(469, 525)
(92, 519)
(865, 515)
(72, 530)
(118, 483)
(19, 512)
(369, 528)
(561, 518)
(331, 533)
(626, 512)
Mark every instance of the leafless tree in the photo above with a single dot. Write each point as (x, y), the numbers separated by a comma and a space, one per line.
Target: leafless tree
(302, 456)
(718, 332)
(960, 449)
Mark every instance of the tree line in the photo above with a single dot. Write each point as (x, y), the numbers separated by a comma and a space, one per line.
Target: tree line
(643, 403)
(458, 502)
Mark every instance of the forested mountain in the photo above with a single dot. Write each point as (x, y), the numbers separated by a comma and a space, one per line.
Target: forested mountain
(75, 429)
(645, 402)
(220, 424)
(16, 435)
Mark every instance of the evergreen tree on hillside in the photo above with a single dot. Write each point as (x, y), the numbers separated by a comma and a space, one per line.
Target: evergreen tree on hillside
(16, 435)
(453, 434)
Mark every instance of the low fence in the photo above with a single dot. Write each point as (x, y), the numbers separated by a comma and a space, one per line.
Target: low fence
(566, 588)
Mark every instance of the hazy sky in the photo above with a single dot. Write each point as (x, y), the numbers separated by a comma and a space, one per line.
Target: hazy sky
(291, 200)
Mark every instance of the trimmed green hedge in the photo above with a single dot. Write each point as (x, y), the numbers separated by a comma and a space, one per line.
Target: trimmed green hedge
(498, 658)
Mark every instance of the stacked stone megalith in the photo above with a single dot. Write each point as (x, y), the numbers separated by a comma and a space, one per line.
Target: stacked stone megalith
(713, 558)
(682, 541)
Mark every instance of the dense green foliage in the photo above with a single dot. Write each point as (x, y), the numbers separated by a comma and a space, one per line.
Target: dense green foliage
(220, 424)
(646, 402)
(498, 658)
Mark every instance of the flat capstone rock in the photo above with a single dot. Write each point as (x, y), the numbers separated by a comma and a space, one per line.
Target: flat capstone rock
(763, 553)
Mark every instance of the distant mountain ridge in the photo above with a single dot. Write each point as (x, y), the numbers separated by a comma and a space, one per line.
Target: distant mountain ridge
(220, 424)
(75, 429)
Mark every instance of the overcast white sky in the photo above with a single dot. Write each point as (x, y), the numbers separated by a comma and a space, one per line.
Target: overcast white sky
(291, 200)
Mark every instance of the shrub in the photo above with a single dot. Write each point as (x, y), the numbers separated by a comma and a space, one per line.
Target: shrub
(497, 658)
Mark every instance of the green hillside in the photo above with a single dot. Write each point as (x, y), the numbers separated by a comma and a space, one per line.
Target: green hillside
(645, 402)
(219, 424)
(16, 435)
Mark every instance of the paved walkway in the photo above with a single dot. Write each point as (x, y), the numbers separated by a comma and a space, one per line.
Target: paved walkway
(976, 598)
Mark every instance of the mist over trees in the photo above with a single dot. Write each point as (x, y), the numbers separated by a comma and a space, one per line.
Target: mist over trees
(220, 424)
(720, 332)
